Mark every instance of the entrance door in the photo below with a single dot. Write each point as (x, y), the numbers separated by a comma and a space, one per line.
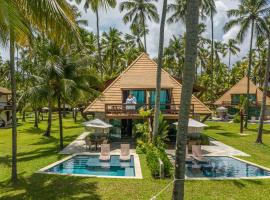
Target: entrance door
(126, 128)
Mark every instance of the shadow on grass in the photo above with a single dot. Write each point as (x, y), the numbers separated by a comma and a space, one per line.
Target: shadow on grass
(244, 183)
(212, 127)
(6, 160)
(43, 187)
(228, 134)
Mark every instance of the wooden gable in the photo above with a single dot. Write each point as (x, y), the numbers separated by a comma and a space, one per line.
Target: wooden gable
(241, 88)
(141, 74)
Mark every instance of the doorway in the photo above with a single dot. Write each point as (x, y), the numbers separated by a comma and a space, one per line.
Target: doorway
(126, 128)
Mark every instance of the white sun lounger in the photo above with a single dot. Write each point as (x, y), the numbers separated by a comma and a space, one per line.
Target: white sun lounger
(105, 152)
(125, 152)
(197, 153)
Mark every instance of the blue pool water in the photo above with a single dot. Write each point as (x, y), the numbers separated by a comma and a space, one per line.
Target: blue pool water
(91, 165)
(223, 167)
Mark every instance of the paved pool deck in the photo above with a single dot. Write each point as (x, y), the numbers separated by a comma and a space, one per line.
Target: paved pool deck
(216, 148)
(78, 146)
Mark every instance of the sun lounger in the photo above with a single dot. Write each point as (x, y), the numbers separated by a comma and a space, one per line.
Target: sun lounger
(197, 154)
(189, 159)
(105, 152)
(125, 152)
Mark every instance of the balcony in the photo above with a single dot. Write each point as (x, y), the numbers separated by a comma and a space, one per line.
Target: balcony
(5, 106)
(131, 111)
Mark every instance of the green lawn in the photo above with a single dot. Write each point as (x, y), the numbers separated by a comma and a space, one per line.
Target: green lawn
(36, 151)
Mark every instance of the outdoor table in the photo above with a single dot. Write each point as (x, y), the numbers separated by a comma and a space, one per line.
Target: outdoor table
(96, 139)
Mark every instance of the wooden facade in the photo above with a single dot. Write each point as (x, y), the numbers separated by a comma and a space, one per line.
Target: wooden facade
(141, 75)
(241, 89)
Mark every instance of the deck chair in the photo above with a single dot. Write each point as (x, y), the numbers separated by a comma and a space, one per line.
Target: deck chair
(189, 159)
(88, 144)
(105, 152)
(197, 154)
(125, 152)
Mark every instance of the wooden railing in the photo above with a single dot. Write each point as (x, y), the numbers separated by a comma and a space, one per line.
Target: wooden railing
(231, 103)
(131, 109)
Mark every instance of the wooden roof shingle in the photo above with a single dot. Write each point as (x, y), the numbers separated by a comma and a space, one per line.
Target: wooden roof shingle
(141, 74)
(241, 88)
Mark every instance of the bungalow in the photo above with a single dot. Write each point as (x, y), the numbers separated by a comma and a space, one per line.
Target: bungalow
(5, 108)
(231, 98)
(139, 79)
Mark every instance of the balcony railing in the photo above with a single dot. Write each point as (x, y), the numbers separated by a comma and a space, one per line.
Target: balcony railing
(133, 109)
(231, 103)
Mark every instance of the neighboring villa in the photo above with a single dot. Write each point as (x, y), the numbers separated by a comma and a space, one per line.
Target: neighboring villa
(5, 108)
(139, 79)
(231, 98)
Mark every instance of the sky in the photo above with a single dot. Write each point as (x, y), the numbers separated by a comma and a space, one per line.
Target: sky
(113, 18)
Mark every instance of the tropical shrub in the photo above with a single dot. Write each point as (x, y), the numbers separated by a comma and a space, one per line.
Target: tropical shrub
(236, 118)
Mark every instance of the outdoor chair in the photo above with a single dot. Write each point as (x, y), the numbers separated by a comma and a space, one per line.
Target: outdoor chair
(105, 152)
(88, 143)
(197, 154)
(189, 159)
(125, 152)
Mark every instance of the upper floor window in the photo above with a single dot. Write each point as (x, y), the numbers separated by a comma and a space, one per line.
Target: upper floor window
(235, 98)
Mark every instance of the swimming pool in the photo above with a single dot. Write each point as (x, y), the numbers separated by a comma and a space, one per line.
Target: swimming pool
(224, 167)
(90, 165)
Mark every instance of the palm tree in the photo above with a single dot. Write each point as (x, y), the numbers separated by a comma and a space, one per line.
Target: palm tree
(265, 88)
(159, 68)
(49, 17)
(138, 11)
(207, 8)
(249, 15)
(95, 5)
(232, 49)
(112, 44)
(192, 38)
(241, 107)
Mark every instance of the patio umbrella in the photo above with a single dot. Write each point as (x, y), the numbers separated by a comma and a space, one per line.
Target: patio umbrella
(222, 109)
(194, 126)
(97, 123)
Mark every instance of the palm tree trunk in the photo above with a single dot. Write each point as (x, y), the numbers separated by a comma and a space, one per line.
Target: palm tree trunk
(49, 125)
(14, 107)
(248, 73)
(158, 79)
(99, 47)
(36, 118)
(60, 123)
(265, 88)
(212, 56)
(230, 59)
(23, 117)
(192, 20)
(144, 33)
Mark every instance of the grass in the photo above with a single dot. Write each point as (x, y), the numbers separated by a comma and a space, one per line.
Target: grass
(36, 151)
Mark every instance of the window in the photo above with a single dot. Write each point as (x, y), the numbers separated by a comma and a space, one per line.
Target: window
(235, 98)
(164, 98)
(138, 94)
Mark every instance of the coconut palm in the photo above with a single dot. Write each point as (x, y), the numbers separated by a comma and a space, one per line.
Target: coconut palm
(249, 16)
(138, 11)
(95, 6)
(232, 49)
(159, 68)
(265, 88)
(51, 18)
(112, 45)
(192, 38)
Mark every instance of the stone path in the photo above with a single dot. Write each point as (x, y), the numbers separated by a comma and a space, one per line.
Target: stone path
(77, 146)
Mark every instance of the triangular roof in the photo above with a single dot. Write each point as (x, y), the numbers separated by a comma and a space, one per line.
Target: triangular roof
(141, 74)
(241, 88)
(4, 91)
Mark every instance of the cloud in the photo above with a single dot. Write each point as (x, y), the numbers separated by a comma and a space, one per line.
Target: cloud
(113, 18)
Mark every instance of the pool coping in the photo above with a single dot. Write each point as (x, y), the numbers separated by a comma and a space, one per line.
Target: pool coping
(137, 167)
(233, 178)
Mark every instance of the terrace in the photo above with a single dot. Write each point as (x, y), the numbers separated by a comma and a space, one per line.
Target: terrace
(170, 111)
